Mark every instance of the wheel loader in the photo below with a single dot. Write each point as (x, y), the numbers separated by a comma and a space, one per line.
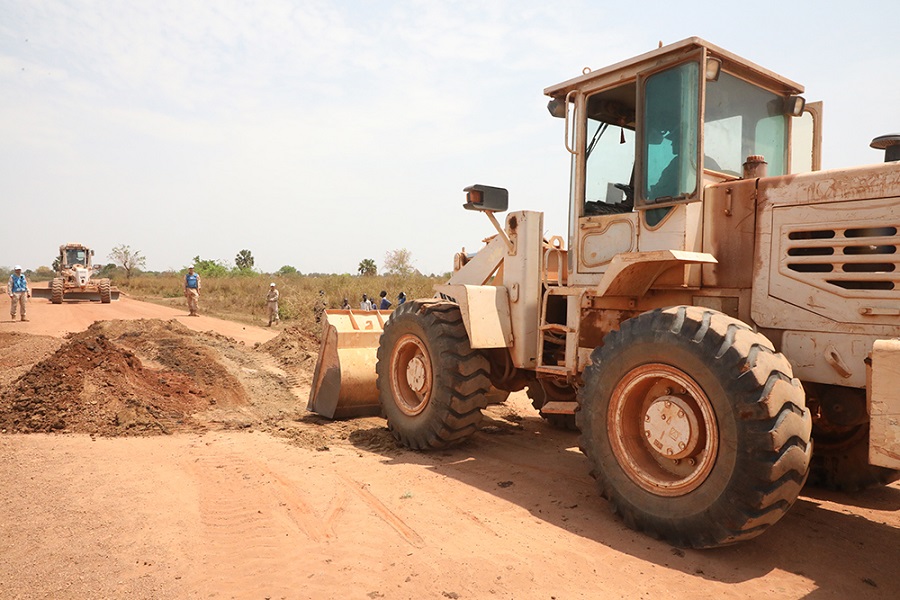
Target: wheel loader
(720, 323)
(74, 278)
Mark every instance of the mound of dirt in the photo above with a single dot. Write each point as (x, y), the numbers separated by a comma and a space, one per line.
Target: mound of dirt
(93, 384)
(296, 350)
(149, 376)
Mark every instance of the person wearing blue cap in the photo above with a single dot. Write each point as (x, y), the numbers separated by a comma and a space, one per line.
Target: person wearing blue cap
(17, 288)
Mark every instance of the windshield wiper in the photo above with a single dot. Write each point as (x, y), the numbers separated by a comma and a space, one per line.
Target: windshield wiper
(596, 138)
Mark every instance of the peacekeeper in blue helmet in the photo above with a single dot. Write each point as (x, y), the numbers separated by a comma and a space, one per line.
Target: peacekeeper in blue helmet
(192, 290)
(17, 288)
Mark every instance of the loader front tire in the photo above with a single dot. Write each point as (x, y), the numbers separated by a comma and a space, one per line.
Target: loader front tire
(432, 385)
(696, 429)
(56, 290)
(103, 287)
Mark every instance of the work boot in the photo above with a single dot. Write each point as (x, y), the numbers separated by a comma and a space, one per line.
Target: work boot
(24, 319)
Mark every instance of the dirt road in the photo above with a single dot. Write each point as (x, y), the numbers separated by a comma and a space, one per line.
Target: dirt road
(253, 498)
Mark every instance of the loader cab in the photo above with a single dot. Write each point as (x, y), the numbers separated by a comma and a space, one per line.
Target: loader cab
(648, 135)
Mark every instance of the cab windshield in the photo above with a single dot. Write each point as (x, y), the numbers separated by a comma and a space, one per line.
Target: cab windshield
(75, 257)
(742, 120)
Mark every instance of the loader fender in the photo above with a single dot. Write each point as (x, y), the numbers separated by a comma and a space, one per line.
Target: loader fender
(485, 313)
(632, 273)
(884, 404)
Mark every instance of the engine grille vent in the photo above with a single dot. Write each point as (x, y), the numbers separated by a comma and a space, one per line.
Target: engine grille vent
(858, 258)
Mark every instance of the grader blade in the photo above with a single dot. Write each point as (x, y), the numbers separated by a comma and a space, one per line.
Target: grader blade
(344, 380)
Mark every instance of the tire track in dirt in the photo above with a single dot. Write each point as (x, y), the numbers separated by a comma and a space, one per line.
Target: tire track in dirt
(255, 521)
(386, 514)
(246, 533)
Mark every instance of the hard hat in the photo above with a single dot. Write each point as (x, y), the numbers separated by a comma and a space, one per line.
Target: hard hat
(18, 268)
(272, 284)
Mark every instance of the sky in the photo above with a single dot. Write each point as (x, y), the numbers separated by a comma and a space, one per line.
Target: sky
(317, 134)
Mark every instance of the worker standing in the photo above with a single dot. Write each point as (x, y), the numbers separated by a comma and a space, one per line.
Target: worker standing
(272, 304)
(192, 291)
(17, 288)
(320, 306)
(385, 304)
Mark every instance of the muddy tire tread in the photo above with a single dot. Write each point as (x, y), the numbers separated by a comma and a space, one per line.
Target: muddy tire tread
(462, 378)
(772, 423)
(57, 288)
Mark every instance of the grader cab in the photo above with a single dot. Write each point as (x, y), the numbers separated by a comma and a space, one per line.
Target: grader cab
(719, 303)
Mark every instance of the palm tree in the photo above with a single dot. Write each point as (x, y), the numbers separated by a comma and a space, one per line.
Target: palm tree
(367, 266)
(244, 260)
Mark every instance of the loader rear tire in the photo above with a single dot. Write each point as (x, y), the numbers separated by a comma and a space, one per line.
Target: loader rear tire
(546, 390)
(840, 432)
(103, 287)
(432, 385)
(56, 290)
(844, 465)
(696, 429)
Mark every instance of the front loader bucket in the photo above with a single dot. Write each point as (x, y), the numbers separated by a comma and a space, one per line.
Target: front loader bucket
(344, 381)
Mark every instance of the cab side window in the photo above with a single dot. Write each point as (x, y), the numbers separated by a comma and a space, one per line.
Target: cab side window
(609, 152)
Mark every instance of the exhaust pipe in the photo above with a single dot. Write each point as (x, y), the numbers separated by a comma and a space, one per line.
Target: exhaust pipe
(890, 143)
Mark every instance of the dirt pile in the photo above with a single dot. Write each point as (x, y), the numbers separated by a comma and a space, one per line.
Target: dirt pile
(96, 383)
(296, 350)
(149, 376)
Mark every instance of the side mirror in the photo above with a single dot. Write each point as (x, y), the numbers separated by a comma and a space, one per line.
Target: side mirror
(486, 198)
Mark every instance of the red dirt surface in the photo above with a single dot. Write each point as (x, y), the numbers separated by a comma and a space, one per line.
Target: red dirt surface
(251, 497)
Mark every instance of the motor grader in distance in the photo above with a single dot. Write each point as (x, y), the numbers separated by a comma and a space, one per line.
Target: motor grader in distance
(719, 305)
(74, 278)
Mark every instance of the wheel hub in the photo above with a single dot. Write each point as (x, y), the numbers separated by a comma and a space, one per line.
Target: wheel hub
(415, 375)
(411, 375)
(662, 429)
(671, 427)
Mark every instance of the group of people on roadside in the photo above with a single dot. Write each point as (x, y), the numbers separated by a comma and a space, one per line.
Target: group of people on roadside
(371, 304)
(18, 291)
(192, 293)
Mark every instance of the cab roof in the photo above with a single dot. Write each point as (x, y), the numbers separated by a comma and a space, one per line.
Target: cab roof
(628, 69)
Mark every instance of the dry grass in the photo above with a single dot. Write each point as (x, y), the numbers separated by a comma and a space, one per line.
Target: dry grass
(243, 298)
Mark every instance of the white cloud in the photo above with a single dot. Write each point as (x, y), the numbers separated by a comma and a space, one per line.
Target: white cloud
(318, 132)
